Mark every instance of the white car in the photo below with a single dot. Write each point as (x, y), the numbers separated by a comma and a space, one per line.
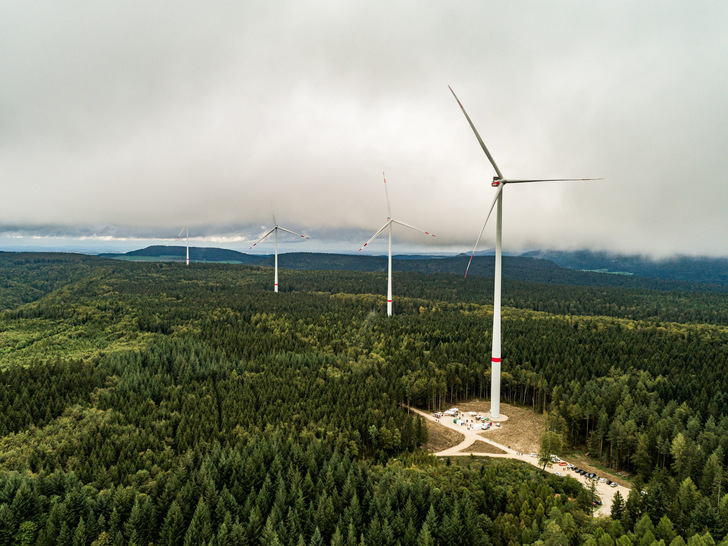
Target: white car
(557, 473)
(613, 484)
(602, 480)
(534, 455)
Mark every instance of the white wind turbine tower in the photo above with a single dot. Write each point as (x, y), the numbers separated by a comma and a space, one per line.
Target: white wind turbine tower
(187, 229)
(388, 224)
(275, 230)
(498, 182)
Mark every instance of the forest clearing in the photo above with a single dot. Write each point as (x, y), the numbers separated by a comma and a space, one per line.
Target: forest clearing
(490, 443)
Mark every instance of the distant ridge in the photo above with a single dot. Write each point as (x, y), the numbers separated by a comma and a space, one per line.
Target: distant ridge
(679, 268)
(197, 254)
(570, 268)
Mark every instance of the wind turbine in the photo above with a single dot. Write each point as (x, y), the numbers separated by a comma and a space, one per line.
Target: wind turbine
(388, 224)
(187, 261)
(275, 230)
(498, 182)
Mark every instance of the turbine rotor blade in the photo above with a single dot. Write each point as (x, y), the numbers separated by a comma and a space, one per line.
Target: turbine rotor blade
(274, 219)
(293, 232)
(263, 237)
(181, 232)
(381, 229)
(497, 196)
(482, 144)
(386, 193)
(413, 227)
(549, 180)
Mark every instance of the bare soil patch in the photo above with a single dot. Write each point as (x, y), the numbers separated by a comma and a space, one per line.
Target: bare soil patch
(522, 431)
(483, 447)
(441, 437)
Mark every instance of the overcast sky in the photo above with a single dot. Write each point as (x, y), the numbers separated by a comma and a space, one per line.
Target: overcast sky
(131, 119)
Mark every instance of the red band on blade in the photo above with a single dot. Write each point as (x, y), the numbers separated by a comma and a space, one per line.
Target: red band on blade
(496, 359)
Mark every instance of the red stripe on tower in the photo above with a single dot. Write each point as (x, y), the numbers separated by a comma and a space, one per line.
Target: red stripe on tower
(496, 360)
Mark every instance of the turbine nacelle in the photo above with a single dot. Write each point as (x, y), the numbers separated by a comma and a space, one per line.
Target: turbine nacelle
(497, 181)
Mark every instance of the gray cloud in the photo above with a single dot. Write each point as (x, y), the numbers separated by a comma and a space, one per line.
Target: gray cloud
(129, 120)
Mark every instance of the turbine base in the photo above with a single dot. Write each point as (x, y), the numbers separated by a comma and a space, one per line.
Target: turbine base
(499, 419)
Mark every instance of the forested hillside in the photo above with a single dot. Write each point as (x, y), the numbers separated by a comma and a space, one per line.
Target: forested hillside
(157, 403)
(680, 268)
(179, 253)
(28, 277)
(521, 268)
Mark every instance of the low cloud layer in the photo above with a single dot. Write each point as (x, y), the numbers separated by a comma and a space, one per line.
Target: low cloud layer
(134, 119)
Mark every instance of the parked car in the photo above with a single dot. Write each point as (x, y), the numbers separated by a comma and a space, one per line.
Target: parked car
(557, 473)
(612, 484)
(534, 455)
(602, 480)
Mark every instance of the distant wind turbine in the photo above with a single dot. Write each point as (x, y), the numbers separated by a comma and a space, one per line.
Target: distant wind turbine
(388, 224)
(498, 182)
(187, 261)
(275, 230)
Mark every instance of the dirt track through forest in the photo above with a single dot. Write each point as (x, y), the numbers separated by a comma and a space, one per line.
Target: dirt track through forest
(605, 492)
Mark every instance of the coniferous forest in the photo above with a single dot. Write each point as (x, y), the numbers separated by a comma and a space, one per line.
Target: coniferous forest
(153, 403)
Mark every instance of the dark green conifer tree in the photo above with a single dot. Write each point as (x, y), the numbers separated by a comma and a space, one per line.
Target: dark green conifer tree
(173, 529)
(7, 526)
(80, 536)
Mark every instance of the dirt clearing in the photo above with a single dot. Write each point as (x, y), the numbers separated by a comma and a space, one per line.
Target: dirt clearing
(441, 437)
(521, 431)
(483, 447)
